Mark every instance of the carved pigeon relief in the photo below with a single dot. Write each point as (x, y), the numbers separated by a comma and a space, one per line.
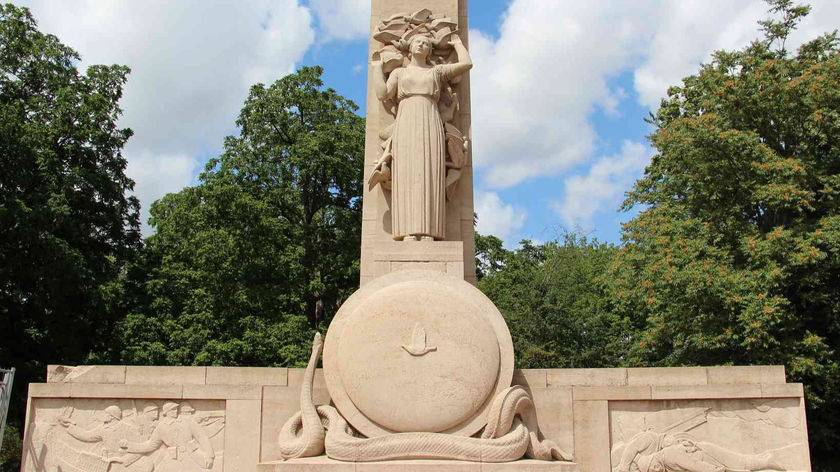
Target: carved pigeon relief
(418, 346)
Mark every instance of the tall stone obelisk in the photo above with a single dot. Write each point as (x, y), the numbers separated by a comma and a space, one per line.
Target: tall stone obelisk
(454, 254)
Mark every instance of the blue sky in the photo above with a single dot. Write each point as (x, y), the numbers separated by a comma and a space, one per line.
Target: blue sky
(560, 88)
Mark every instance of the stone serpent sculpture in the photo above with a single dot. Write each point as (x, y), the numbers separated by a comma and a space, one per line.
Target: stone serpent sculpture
(511, 433)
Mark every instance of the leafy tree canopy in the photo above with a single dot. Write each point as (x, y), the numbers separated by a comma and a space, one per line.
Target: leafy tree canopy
(266, 247)
(68, 227)
(554, 299)
(735, 257)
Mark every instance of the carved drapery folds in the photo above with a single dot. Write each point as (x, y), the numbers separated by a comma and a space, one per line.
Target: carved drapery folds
(417, 70)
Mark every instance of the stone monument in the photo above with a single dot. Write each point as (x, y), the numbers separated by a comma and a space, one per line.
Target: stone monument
(418, 365)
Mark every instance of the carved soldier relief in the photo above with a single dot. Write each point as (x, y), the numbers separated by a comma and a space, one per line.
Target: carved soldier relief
(708, 436)
(415, 75)
(87, 435)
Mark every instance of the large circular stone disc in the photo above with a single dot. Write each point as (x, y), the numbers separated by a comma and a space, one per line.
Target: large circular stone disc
(417, 351)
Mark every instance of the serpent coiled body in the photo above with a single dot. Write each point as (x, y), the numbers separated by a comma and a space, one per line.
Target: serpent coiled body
(511, 433)
(304, 437)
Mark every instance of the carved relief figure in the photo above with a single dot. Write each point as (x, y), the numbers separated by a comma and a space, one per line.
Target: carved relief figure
(187, 446)
(706, 436)
(121, 436)
(107, 436)
(415, 83)
(661, 452)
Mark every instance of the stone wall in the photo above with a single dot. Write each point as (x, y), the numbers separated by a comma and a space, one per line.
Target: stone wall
(233, 415)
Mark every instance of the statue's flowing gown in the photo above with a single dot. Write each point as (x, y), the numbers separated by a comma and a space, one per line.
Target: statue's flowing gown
(418, 146)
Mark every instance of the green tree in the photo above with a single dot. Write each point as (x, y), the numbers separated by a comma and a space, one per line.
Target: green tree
(68, 227)
(735, 256)
(266, 247)
(554, 299)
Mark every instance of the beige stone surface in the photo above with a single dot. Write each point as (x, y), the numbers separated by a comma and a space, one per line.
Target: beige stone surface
(222, 392)
(759, 374)
(667, 376)
(572, 427)
(707, 391)
(247, 375)
(740, 434)
(164, 375)
(89, 390)
(782, 390)
(555, 415)
(592, 435)
(86, 373)
(318, 464)
(640, 392)
(426, 352)
(278, 405)
(586, 377)
(378, 211)
(86, 434)
(242, 445)
(530, 378)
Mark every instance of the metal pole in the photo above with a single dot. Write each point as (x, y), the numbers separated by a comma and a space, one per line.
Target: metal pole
(5, 398)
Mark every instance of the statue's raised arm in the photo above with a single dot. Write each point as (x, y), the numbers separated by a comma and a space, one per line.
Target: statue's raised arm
(414, 74)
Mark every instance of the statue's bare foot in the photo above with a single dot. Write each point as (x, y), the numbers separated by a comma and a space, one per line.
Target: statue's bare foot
(427, 238)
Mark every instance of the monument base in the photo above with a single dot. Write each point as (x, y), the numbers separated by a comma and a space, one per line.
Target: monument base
(235, 414)
(325, 464)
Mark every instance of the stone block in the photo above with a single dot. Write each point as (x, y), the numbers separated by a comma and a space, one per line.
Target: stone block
(530, 378)
(242, 442)
(687, 392)
(741, 374)
(612, 393)
(49, 390)
(86, 373)
(89, 390)
(247, 376)
(667, 376)
(418, 466)
(592, 436)
(555, 415)
(296, 379)
(309, 464)
(164, 375)
(587, 377)
(223, 392)
(529, 465)
(417, 265)
(782, 390)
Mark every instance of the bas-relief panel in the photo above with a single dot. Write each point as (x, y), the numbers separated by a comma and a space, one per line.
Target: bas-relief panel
(95, 435)
(708, 435)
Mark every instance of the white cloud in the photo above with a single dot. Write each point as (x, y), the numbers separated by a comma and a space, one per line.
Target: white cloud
(343, 19)
(534, 88)
(603, 186)
(192, 63)
(497, 217)
(690, 30)
(155, 175)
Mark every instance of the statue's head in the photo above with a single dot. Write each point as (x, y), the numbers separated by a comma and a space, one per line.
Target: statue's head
(420, 46)
(170, 409)
(112, 413)
(151, 412)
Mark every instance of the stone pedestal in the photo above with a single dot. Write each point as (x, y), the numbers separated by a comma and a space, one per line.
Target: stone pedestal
(446, 257)
(376, 225)
(319, 464)
(592, 413)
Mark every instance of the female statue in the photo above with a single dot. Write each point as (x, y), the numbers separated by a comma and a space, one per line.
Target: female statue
(416, 151)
